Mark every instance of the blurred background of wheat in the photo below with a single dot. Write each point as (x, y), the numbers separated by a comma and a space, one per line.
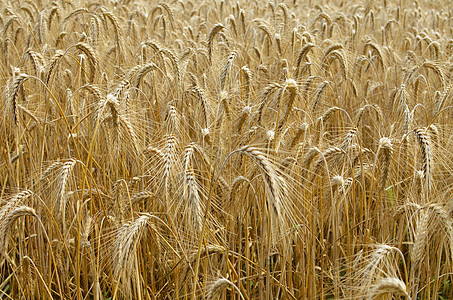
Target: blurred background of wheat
(226, 150)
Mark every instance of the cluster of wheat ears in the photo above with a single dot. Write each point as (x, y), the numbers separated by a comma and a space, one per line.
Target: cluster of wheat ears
(226, 149)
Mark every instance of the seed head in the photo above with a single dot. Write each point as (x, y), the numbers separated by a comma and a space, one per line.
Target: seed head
(291, 83)
(270, 135)
(247, 110)
(205, 131)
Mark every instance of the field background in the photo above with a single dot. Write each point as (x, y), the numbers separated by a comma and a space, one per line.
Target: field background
(226, 149)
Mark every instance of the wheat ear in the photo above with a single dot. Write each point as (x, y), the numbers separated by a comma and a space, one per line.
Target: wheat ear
(427, 156)
(276, 193)
(245, 71)
(226, 69)
(389, 285)
(127, 239)
(8, 221)
(291, 86)
(317, 95)
(90, 53)
(14, 91)
(216, 289)
(214, 31)
(269, 90)
(301, 57)
(384, 158)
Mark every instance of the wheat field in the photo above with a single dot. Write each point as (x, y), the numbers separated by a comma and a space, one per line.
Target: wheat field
(220, 149)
